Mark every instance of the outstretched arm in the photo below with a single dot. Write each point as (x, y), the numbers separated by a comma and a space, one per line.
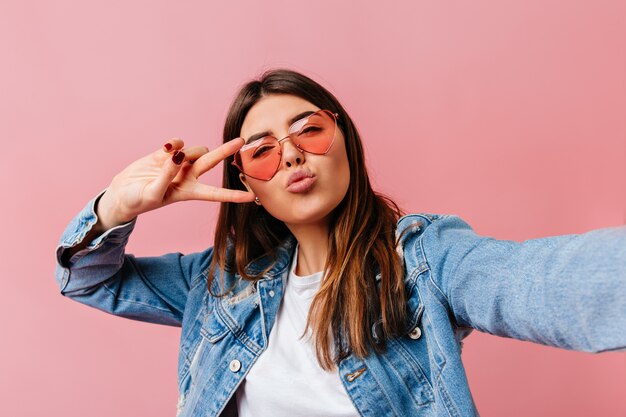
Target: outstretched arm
(567, 291)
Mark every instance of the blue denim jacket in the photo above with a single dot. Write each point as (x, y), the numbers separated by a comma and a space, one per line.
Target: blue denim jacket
(567, 291)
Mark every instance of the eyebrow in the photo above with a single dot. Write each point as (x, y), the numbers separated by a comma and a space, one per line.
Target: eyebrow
(289, 122)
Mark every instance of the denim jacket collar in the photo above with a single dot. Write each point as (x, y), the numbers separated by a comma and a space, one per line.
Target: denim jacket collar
(285, 251)
(279, 263)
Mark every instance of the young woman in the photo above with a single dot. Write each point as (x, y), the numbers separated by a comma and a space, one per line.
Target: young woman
(319, 296)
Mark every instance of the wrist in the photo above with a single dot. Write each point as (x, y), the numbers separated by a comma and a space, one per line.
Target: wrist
(109, 215)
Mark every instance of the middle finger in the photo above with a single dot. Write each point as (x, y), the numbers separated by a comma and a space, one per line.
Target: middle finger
(194, 152)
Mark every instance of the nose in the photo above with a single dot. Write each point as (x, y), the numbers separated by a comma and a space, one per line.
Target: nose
(291, 154)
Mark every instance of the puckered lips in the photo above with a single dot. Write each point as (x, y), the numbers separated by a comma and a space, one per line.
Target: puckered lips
(300, 181)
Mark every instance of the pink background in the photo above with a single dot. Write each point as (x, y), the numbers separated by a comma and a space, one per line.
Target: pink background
(510, 114)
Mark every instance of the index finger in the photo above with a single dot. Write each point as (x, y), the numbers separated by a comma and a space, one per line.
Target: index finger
(225, 195)
(212, 158)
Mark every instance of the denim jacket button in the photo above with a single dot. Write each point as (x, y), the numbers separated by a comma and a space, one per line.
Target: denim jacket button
(271, 293)
(235, 365)
(416, 333)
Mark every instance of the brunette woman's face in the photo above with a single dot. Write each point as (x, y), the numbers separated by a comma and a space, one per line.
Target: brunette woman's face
(331, 172)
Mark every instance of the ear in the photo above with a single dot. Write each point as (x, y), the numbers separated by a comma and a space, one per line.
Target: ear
(243, 180)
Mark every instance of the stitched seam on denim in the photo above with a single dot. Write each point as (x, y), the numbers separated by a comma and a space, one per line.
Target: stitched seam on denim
(182, 272)
(214, 337)
(109, 290)
(431, 271)
(437, 346)
(186, 351)
(203, 274)
(421, 242)
(226, 318)
(417, 317)
(438, 290)
(449, 405)
(433, 336)
(383, 391)
(248, 343)
(421, 215)
(419, 269)
(421, 376)
(131, 260)
(183, 378)
(135, 265)
(409, 358)
(199, 279)
(357, 398)
(238, 332)
(262, 318)
(135, 302)
(414, 276)
(453, 274)
(77, 256)
(269, 274)
(355, 392)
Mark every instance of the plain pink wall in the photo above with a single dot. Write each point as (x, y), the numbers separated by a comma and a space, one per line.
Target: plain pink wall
(510, 114)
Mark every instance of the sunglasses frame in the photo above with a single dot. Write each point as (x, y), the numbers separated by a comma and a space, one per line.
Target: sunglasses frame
(335, 117)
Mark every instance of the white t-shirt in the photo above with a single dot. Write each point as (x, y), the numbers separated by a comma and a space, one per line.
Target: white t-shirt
(287, 380)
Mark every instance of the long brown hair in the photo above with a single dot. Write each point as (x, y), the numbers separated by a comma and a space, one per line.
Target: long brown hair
(361, 240)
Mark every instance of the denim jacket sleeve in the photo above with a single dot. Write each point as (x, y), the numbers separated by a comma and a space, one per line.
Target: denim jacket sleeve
(567, 291)
(152, 289)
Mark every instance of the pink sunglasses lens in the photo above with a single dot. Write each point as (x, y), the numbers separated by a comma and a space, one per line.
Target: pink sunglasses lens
(260, 158)
(314, 133)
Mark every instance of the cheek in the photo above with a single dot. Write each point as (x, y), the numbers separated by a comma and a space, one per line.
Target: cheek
(344, 179)
(273, 196)
(342, 166)
(262, 188)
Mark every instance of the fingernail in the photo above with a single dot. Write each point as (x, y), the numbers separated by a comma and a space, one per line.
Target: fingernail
(178, 157)
(168, 146)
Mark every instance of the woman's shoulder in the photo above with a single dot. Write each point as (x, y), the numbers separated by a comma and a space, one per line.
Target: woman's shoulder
(418, 223)
(422, 237)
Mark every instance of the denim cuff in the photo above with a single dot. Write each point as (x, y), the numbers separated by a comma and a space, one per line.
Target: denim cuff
(81, 224)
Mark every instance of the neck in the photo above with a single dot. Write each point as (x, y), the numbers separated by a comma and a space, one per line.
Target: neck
(312, 246)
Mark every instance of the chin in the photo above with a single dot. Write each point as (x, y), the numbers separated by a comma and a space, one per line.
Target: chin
(306, 213)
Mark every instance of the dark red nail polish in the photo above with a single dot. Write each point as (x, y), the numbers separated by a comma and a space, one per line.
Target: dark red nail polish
(178, 157)
(168, 146)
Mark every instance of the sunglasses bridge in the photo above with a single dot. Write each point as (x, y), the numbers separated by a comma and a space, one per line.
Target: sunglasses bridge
(279, 141)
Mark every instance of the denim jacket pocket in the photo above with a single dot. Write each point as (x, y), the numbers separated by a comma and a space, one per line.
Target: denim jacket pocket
(213, 328)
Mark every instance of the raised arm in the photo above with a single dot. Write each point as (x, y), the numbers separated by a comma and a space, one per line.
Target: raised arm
(101, 275)
(92, 267)
(567, 291)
